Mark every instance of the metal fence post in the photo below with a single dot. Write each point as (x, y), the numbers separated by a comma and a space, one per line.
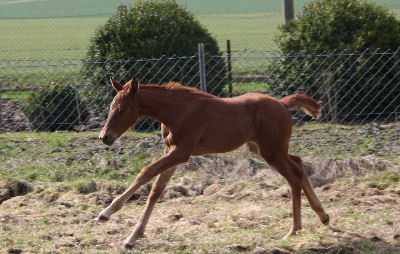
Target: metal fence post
(202, 68)
(1, 117)
(78, 108)
(228, 49)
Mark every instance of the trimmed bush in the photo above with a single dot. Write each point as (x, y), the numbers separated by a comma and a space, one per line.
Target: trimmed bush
(326, 25)
(160, 31)
(55, 107)
(333, 48)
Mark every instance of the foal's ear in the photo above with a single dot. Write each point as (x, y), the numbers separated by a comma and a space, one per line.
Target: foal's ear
(134, 85)
(117, 86)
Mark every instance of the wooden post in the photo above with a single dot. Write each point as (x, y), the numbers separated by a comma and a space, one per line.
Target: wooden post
(202, 68)
(288, 10)
(228, 49)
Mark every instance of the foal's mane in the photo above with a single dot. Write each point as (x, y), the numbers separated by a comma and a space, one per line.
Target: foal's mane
(176, 87)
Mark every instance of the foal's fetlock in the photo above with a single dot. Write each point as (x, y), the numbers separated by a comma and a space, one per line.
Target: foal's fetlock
(107, 212)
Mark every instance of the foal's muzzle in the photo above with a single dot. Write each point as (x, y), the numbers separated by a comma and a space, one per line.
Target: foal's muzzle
(107, 139)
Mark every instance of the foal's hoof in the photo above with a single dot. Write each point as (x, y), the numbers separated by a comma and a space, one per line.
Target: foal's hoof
(325, 219)
(102, 218)
(292, 232)
(129, 245)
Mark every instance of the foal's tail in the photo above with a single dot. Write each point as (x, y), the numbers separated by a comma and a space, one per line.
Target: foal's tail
(301, 101)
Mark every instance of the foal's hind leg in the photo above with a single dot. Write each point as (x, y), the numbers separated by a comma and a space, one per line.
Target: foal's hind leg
(313, 199)
(294, 177)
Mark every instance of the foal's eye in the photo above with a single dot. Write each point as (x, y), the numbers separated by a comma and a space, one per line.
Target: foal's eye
(122, 111)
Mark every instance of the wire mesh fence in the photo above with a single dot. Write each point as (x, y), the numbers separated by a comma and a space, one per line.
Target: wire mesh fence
(355, 87)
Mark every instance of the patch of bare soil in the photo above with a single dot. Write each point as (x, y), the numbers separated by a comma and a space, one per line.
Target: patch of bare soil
(12, 118)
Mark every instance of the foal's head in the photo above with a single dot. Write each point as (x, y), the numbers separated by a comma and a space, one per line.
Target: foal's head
(124, 111)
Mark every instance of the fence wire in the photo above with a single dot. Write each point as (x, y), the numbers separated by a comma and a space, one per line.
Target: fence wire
(354, 87)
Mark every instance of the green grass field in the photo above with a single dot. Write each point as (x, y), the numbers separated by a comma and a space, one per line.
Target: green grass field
(68, 38)
(49, 29)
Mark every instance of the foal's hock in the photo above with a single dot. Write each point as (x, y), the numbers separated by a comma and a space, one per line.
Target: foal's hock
(197, 123)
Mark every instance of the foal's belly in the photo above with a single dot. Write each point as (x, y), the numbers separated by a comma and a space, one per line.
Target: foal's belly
(225, 126)
(221, 141)
(203, 150)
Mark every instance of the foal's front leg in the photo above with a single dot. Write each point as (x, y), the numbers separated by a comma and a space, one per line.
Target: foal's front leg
(155, 193)
(173, 158)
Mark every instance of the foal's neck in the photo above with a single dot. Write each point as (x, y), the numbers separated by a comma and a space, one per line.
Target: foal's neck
(164, 103)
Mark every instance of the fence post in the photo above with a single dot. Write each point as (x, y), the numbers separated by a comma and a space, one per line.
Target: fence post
(202, 68)
(78, 108)
(288, 10)
(228, 49)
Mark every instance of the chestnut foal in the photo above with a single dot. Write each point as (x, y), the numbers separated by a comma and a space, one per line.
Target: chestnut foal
(197, 123)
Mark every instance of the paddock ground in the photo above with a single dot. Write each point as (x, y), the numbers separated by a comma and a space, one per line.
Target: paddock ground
(214, 204)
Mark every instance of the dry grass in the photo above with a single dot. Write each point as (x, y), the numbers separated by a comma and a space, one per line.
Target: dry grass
(247, 215)
(231, 203)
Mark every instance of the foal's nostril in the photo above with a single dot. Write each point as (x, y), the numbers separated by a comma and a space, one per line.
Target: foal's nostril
(105, 138)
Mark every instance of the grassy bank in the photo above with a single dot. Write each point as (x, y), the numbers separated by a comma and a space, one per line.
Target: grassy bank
(71, 156)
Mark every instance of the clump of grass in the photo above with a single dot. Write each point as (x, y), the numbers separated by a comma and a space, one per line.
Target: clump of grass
(390, 177)
(85, 187)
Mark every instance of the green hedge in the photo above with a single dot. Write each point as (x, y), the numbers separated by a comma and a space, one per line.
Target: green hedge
(149, 30)
(353, 84)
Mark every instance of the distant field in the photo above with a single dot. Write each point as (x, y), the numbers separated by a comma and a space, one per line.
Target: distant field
(46, 38)
(68, 38)
(11, 9)
(249, 31)
(50, 29)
